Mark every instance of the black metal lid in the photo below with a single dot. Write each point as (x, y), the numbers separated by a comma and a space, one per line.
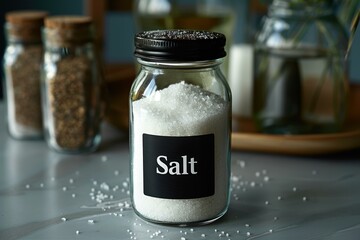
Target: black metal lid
(179, 45)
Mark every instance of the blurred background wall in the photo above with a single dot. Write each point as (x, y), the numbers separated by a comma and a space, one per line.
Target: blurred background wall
(120, 28)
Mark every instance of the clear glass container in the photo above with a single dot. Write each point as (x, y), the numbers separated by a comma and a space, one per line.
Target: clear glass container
(301, 79)
(22, 64)
(180, 119)
(71, 85)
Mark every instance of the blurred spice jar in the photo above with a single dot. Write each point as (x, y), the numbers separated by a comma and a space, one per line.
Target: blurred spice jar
(22, 64)
(71, 85)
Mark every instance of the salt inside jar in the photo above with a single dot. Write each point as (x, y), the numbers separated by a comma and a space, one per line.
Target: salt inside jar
(180, 122)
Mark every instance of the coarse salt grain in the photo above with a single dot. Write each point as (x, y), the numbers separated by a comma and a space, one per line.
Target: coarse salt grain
(184, 110)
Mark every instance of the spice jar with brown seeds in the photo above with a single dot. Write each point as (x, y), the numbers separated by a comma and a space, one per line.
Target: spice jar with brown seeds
(71, 85)
(22, 64)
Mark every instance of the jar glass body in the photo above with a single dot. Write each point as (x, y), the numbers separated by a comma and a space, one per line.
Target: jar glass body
(22, 64)
(301, 79)
(71, 93)
(171, 104)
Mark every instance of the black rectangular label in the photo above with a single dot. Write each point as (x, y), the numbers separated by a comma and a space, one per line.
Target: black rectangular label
(178, 167)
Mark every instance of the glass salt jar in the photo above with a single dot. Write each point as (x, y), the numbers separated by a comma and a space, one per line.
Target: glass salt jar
(301, 79)
(180, 119)
(71, 85)
(22, 65)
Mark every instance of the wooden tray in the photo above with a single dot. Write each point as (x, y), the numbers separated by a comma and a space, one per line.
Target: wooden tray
(120, 76)
(246, 137)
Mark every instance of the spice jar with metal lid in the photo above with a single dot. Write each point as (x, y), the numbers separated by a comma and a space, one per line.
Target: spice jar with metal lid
(22, 64)
(71, 85)
(180, 107)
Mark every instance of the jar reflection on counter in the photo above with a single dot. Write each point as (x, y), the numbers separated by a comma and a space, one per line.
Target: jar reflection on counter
(71, 85)
(22, 64)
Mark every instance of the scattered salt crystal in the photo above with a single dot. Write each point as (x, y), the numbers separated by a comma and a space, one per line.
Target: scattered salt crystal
(104, 186)
(294, 189)
(77, 232)
(203, 235)
(116, 172)
(63, 219)
(279, 198)
(41, 185)
(91, 221)
(27, 186)
(73, 195)
(264, 171)
(266, 179)
(304, 199)
(242, 164)
(104, 158)
(257, 174)
(71, 181)
(182, 238)
(248, 233)
(270, 230)
(95, 183)
(64, 189)
(247, 225)
(125, 184)
(252, 184)
(266, 202)
(235, 178)
(275, 218)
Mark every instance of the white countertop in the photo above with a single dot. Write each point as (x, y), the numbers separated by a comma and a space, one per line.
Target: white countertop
(47, 195)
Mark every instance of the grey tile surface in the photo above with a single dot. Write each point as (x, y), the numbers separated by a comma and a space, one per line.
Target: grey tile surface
(46, 195)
